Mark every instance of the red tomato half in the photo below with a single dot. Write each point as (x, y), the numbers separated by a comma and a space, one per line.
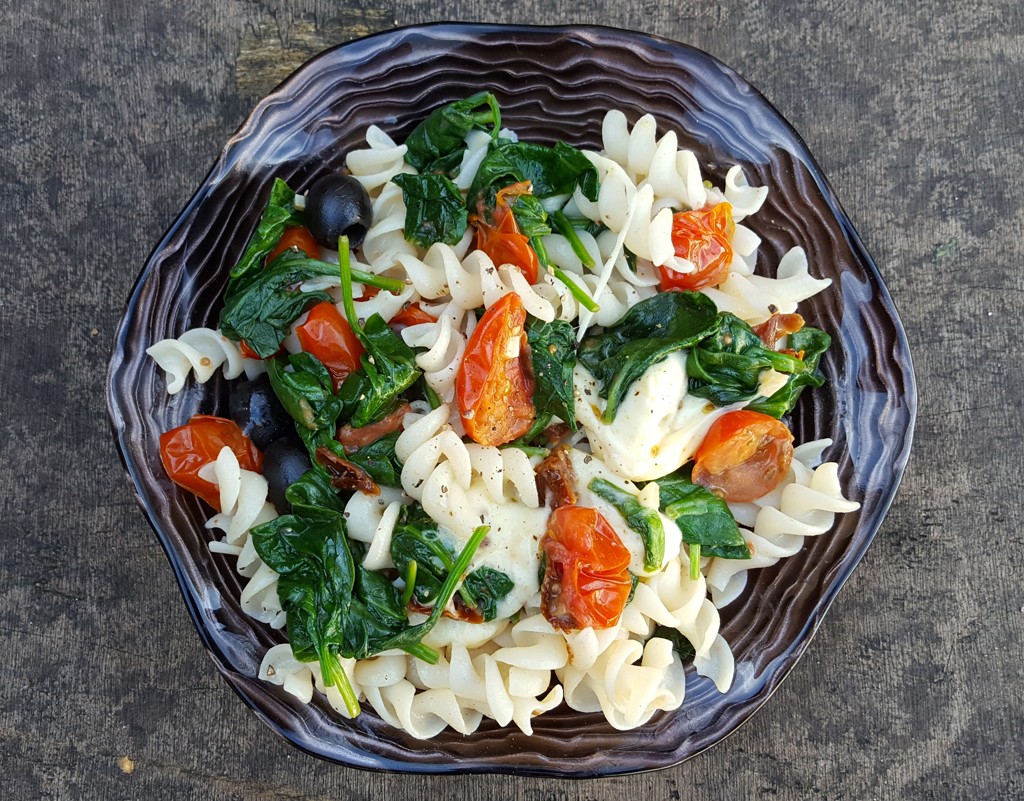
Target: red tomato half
(329, 337)
(586, 576)
(743, 456)
(503, 242)
(702, 236)
(494, 385)
(187, 449)
(299, 238)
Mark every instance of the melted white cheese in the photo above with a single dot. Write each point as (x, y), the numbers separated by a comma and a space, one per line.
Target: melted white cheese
(658, 426)
(513, 543)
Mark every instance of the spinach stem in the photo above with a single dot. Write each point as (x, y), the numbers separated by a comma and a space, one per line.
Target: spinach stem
(566, 229)
(345, 269)
(694, 561)
(424, 652)
(410, 582)
(414, 634)
(334, 673)
(581, 297)
(393, 285)
(432, 397)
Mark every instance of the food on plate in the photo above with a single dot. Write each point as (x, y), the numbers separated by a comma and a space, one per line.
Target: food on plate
(513, 423)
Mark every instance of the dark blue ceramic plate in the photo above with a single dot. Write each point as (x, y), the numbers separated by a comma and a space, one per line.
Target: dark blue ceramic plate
(552, 83)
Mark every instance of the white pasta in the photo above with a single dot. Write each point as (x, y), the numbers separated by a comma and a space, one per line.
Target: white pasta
(381, 161)
(243, 503)
(199, 351)
(754, 298)
(385, 239)
(517, 665)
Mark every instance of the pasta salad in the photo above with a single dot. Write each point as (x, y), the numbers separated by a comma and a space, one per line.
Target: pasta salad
(507, 426)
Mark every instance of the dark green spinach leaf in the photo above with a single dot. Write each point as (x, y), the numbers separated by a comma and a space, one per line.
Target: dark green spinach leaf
(278, 214)
(726, 367)
(552, 171)
(487, 587)
(434, 209)
(439, 138)
(378, 459)
(306, 391)
(680, 644)
(813, 343)
(261, 307)
(649, 331)
(553, 354)
(313, 490)
(417, 539)
(703, 518)
(316, 579)
(390, 369)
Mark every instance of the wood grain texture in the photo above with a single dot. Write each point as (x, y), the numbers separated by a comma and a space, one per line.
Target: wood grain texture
(110, 114)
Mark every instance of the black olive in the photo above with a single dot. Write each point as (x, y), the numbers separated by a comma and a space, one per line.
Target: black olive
(337, 205)
(284, 462)
(258, 412)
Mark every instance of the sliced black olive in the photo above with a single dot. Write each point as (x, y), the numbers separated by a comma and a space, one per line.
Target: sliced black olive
(258, 412)
(284, 462)
(337, 205)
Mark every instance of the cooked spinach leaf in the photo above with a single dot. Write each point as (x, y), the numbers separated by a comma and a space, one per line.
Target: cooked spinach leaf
(416, 540)
(315, 584)
(379, 460)
(487, 587)
(726, 367)
(439, 138)
(388, 366)
(313, 490)
(649, 331)
(639, 518)
(261, 307)
(531, 218)
(703, 518)
(390, 369)
(553, 354)
(306, 391)
(336, 608)
(434, 209)
(552, 171)
(278, 214)
(813, 344)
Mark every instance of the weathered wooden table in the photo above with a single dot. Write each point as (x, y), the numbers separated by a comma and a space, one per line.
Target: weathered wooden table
(110, 114)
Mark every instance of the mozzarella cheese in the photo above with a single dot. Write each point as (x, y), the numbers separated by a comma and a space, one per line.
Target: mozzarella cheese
(658, 426)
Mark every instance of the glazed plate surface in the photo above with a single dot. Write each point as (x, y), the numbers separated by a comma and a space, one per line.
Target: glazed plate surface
(552, 83)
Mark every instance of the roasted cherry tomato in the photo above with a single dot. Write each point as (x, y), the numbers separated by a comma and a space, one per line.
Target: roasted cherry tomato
(410, 315)
(494, 385)
(704, 237)
(299, 238)
(502, 241)
(187, 449)
(586, 573)
(743, 456)
(329, 337)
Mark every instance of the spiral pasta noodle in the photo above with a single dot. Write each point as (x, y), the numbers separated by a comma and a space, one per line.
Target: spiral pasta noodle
(243, 503)
(199, 352)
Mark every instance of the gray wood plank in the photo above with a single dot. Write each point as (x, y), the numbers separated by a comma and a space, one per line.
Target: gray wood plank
(110, 114)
